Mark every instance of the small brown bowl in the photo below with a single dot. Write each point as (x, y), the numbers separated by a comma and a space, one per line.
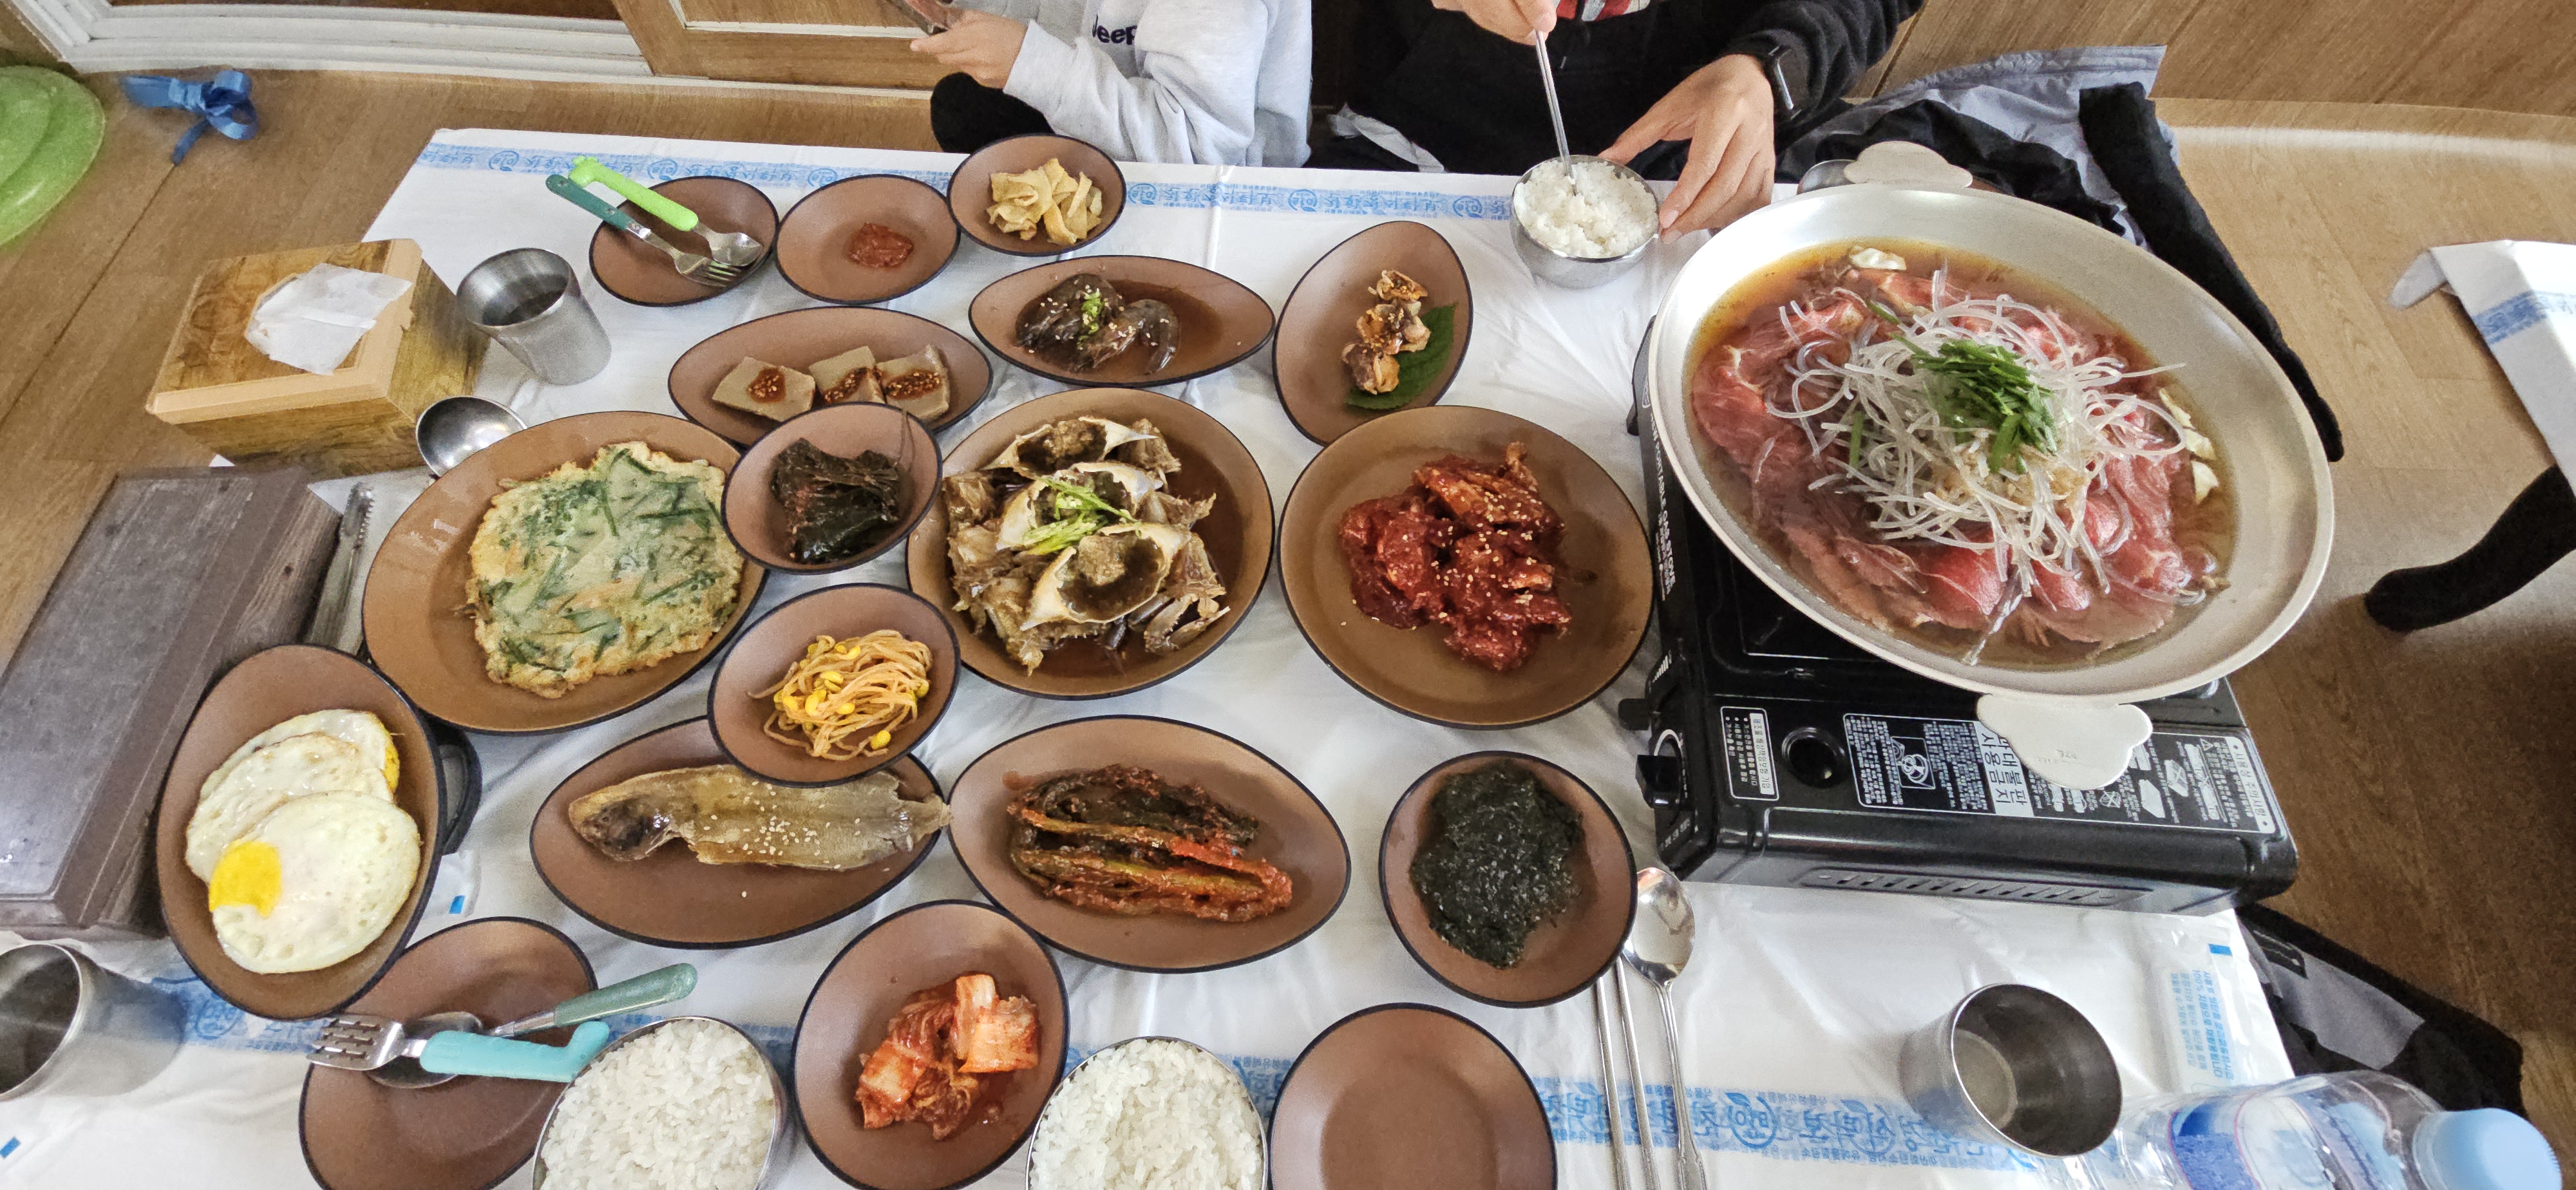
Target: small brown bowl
(1238, 535)
(634, 271)
(1563, 956)
(814, 244)
(970, 189)
(1297, 834)
(415, 633)
(469, 1132)
(798, 339)
(845, 1020)
(268, 688)
(1406, 1095)
(670, 899)
(1322, 314)
(763, 653)
(758, 523)
(1222, 323)
(1608, 581)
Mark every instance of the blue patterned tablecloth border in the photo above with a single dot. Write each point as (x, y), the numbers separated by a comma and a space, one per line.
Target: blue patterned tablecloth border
(1229, 196)
(2521, 312)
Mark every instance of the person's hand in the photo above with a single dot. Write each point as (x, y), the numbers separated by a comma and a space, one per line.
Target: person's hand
(981, 44)
(1724, 111)
(1516, 20)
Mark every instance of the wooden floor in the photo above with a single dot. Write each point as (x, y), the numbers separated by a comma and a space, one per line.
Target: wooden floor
(2427, 777)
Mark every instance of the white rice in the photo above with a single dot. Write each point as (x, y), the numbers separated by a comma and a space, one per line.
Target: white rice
(685, 1107)
(1149, 1115)
(1588, 209)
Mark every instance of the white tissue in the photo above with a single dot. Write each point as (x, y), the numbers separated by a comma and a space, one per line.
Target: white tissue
(312, 319)
(2521, 295)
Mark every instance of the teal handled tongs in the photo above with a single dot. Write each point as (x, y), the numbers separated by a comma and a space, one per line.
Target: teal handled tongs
(703, 270)
(728, 247)
(445, 1045)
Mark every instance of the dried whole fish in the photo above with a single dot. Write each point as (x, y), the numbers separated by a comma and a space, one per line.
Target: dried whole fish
(837, 507)
(728, 816)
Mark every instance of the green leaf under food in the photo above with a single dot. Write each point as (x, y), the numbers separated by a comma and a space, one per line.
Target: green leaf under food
(1415, 370)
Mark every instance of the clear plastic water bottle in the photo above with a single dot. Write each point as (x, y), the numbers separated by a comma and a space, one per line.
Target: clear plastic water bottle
(2356, 1130)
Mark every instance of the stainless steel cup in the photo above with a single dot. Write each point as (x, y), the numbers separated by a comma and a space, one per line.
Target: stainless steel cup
(2014, 1065)
(71, 1027)
(529, 300)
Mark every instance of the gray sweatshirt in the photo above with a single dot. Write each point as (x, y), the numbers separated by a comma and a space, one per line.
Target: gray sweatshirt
(1217, 82)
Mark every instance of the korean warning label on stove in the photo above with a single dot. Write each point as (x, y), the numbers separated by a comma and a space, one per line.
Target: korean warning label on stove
(1746, 734)
(2188, 780)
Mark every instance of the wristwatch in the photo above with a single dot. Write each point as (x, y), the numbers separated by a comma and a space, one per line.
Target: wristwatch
(1770, 52)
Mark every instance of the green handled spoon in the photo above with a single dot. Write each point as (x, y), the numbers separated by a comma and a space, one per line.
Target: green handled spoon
(728, 247)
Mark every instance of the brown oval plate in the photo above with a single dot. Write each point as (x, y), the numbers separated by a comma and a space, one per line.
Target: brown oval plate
(1238, 535)
(634, 271)
(799, 338)
(1562, 956)
(268, 688)
(1297, 833)
(468, 1132)
(670, 899)
(1401, 1096)
(845, 1020)
(420, 639)
(1608, 582)
(970, 189)
(758, 523)
(761, 655)
(814, 243)
(1322, 314)
(1222, 322)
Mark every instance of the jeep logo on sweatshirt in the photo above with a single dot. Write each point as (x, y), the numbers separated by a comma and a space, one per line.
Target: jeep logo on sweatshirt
(1104, 36)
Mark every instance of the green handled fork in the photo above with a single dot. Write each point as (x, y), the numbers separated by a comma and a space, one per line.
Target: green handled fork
(728, 247)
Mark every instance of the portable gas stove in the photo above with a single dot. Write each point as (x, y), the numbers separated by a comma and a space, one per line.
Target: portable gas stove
(1780, 754)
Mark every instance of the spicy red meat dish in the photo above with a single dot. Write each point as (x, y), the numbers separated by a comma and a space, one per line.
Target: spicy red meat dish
(1471, 547)
(1947, 453)
(940, 1052)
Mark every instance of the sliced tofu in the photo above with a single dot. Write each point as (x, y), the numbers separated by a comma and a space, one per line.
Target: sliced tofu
(770, 390)
(916, 384)
(849, 376)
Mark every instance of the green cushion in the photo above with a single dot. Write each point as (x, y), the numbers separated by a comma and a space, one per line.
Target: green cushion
(73, 130)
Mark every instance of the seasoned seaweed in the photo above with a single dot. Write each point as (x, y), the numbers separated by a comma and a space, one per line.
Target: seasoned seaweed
(836, 507)
(1497, 867)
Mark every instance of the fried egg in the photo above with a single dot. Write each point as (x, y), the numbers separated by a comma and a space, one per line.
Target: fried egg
(359, 728)
(239, 795)
(314, 882)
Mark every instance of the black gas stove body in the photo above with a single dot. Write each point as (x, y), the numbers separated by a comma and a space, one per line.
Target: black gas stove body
(1778, 753)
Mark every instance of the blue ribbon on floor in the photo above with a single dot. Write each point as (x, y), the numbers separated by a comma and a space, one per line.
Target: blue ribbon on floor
(222, 105)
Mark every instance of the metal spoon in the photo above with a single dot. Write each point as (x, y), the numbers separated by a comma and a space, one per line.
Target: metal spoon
(1659, 946)
(1556, 114)
(628, 995)
(450, 431)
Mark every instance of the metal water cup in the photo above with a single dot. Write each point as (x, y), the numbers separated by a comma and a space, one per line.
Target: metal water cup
(529, 300)
(2015, 1066)
(71, 1027)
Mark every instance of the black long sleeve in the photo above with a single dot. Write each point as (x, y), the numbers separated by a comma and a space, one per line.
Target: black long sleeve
(1830, 43)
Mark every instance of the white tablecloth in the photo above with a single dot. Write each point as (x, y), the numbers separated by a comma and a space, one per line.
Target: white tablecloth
(1792, 1010)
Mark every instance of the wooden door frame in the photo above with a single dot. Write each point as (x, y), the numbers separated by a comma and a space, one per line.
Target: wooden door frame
(825, 55)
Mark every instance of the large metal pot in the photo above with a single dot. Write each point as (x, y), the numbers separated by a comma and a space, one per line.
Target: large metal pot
(2069, 723)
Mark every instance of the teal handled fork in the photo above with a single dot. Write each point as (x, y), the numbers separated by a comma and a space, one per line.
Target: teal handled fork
(703, 270)
(729, 247)
(419, 1053)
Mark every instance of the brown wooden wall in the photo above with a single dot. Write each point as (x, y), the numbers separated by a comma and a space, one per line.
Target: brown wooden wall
(2509, 55)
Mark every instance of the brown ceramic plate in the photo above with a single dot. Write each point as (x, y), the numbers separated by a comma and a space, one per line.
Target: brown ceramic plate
(1238, 535)
(1221, 321)
(1297, 833)
(799, 338)
(1322, 314)
(634, 271)
(1562, 956)
(758, 523)
(1608, 581)
(762, 655)
(845, 1020)
(268, 688)
(1406, 1095)
(467, 1133)
(670, 899)
(970, 189)
(814, 244)
(420, 639)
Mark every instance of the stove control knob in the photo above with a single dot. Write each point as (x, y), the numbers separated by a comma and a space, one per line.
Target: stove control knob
(1660, 776)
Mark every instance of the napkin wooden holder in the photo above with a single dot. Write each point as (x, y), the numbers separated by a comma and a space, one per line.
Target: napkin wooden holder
(254, 410)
